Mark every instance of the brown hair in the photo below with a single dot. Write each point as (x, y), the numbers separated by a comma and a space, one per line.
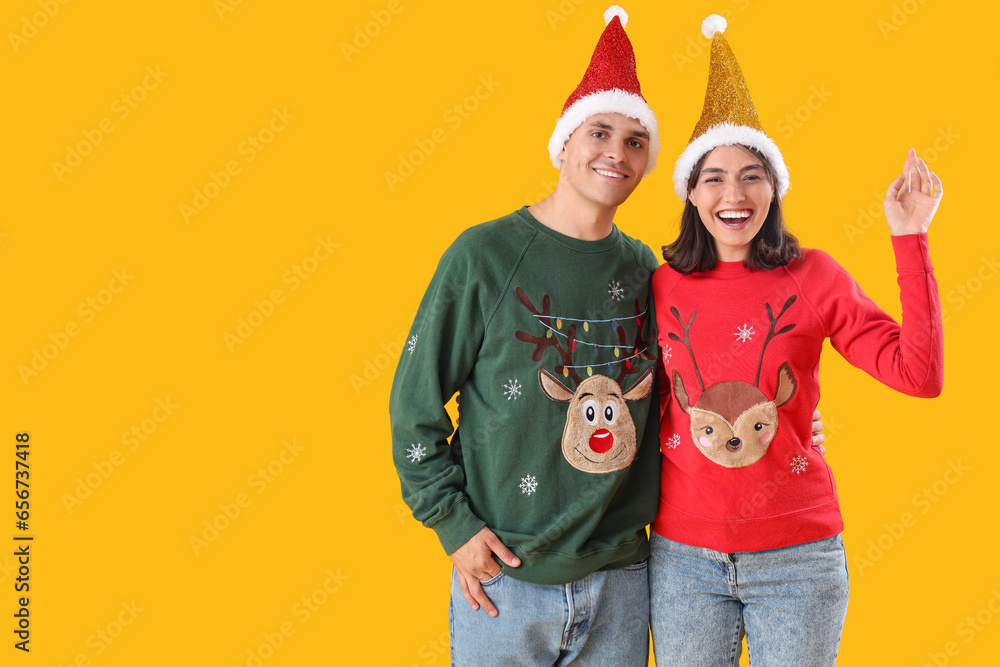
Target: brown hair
(694, 249)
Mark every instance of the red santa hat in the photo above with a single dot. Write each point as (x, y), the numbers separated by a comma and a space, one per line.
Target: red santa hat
(610, 85)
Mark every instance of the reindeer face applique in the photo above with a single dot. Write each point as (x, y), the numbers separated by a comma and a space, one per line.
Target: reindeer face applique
(734, 422)
(599, 436)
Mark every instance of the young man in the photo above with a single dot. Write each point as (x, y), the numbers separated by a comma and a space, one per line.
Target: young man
(541, 321)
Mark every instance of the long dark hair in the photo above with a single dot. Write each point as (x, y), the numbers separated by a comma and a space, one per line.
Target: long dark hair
(694, 249)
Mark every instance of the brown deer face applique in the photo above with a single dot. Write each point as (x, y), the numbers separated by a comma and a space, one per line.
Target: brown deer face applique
(599, 436)
(734, 422)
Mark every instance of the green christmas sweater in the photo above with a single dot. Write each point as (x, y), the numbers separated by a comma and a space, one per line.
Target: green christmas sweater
(550, 343)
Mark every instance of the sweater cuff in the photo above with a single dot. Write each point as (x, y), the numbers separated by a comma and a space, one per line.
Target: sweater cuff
(912, 253)
(457, 526)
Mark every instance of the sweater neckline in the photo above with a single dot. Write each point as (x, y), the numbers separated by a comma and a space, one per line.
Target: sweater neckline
(578, 245)
(730, 268)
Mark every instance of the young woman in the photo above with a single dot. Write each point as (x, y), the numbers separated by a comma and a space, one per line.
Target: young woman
(747, 538)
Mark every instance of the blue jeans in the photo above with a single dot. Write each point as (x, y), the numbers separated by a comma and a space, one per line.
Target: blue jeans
(602, 619)
(790, 602)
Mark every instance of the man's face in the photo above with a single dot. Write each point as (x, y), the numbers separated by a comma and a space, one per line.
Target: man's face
(604, 159)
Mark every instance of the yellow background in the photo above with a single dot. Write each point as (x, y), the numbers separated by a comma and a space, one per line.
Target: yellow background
(844, 88)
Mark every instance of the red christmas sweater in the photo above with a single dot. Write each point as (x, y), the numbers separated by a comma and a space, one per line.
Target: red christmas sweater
(740, 352)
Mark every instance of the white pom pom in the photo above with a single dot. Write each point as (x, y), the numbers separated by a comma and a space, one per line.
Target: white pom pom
(613, 11)
(713, 24)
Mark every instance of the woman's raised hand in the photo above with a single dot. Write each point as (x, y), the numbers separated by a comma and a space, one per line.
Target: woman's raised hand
(912, 198)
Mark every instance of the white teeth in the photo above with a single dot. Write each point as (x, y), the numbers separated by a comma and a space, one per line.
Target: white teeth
(734, 214)
(612, 174)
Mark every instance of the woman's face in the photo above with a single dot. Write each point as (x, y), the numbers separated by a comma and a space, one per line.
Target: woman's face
(732, 195)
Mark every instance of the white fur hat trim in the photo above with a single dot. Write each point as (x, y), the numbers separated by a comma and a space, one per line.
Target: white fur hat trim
(607, 101)
(727, 134)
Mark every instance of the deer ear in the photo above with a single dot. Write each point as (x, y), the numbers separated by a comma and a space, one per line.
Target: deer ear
(680, 393)
(786, 385)
(552, 387)
(641, 387)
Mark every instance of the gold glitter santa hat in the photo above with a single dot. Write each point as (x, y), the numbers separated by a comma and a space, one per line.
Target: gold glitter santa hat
(610, 85)
(728, 117)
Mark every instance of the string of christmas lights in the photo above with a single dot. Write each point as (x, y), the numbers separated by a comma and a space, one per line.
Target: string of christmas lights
(586, 327)
(596, 347)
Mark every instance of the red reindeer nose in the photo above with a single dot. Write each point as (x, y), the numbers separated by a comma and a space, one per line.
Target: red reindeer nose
(602, 440)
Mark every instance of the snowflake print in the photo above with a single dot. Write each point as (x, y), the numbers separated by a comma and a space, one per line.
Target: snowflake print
(512, 389)
(666, 355)
(416, 452)
(615, 290)
(674, 441)
(799, 464)
(412, 343)
(529, 484)
(744, 333)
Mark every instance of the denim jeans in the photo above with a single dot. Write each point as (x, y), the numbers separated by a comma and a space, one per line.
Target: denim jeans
(602, 619)
(790, 602)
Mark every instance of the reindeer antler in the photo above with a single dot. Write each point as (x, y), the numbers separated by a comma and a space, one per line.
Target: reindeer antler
(686, 340)
(549, 339)
(638, 348)
(771, 332)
